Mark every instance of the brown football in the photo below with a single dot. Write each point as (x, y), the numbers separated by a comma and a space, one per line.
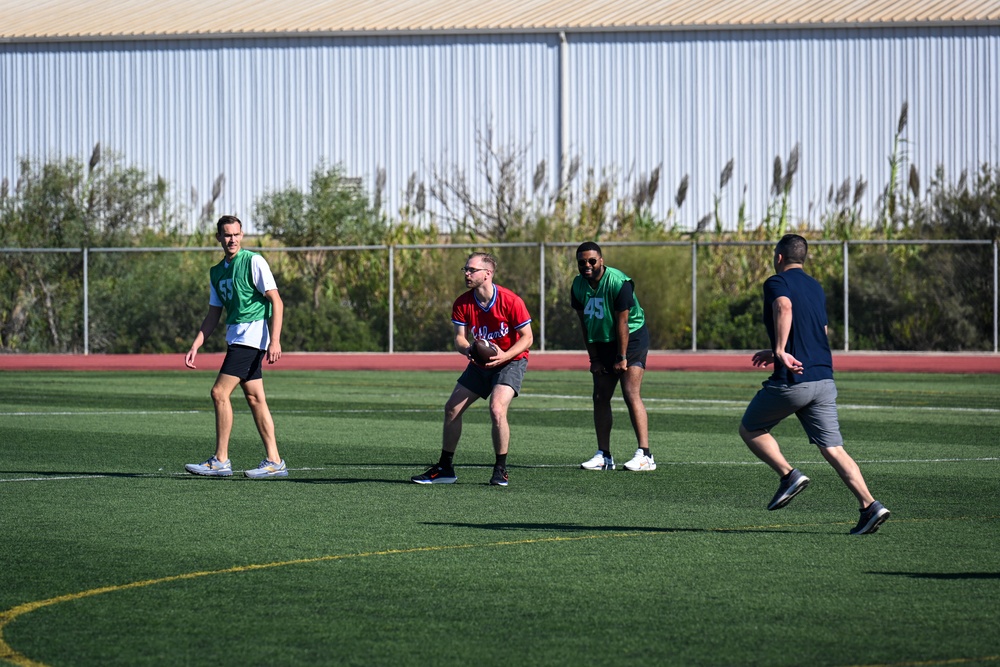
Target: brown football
(483, 351)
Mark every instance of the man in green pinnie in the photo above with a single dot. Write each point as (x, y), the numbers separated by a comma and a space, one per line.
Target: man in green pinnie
(243, 284)
(614, 329)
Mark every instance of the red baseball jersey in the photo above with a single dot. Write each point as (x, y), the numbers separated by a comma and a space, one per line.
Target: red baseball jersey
(497, 321)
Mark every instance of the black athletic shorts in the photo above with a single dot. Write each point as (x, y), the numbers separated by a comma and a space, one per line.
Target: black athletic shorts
(243, 362)
(638, 348)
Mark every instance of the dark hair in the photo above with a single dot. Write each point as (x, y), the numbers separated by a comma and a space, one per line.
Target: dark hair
(793, 248)
(227, 220)
(587, 246)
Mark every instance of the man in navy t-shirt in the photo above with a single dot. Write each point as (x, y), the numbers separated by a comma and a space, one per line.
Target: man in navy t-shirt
(807, 340)
(801, 384)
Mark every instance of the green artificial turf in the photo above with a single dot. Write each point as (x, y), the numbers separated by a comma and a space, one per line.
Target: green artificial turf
(346, 562)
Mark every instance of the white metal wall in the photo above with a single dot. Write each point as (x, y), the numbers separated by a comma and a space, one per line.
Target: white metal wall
(692, 101)
(266, 112)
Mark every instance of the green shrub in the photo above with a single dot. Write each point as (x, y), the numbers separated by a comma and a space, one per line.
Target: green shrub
(915, 297)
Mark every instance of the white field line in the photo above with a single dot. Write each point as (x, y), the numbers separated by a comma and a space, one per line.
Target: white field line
(743, 404)
(354, 466)
(667, 405)
(660, 404)
(103, 413)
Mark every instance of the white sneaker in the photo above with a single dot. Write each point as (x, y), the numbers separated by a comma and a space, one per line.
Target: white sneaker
(640, 462)
(267, 469)
(211, 468)
(599, 462)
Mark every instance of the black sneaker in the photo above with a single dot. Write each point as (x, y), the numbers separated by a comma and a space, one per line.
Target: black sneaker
(790, 486)
(872, 517)
(499, 477)
(438, 474)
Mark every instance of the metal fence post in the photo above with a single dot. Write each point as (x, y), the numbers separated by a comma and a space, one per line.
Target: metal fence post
(846, 299)
(995, 300)
(86, 304)
(694, 296)
(541, 294)
(392, 318)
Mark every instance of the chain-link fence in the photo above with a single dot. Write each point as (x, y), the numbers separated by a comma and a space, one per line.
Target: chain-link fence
(924, 295)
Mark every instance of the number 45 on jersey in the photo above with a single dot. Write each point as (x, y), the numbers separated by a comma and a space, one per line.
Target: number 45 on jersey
(594, 308)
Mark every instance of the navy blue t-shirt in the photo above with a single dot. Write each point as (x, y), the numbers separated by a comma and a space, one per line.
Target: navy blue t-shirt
(807, 341)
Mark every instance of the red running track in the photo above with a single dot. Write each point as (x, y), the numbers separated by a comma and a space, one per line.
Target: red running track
(910, 362)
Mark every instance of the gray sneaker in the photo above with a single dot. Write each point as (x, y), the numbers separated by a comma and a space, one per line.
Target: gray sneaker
(790, 486)
(211, 468)
(438, 474)
(267, 469)
(872, 517)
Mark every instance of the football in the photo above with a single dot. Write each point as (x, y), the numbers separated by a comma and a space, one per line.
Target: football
(483, 351)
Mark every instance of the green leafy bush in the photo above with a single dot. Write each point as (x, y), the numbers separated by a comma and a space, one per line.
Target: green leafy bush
(912, 297)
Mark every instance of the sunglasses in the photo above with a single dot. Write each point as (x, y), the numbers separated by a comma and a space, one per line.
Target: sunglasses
(471, 270)
(584, 262)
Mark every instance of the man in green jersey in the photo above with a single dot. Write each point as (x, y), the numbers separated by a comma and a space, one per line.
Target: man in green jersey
(614, 329)
(243, 284)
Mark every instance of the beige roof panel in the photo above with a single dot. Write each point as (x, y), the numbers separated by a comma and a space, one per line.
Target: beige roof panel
(99, 19)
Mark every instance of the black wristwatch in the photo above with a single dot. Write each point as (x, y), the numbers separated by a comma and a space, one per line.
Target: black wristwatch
(622, 357)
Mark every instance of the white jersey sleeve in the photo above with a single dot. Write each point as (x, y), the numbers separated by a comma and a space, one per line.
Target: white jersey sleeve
(213, 296)
(263, 279)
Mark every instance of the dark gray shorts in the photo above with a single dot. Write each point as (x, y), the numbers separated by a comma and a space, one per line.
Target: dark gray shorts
(814, 403)
(481, 380)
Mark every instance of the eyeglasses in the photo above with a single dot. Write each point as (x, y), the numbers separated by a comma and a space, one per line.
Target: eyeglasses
(584, 262)
(471, 270)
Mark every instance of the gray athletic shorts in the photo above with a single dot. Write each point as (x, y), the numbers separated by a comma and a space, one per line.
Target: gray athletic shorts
(814, 403)
(481, 380)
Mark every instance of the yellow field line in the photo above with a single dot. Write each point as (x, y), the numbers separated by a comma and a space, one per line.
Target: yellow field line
(6, 617)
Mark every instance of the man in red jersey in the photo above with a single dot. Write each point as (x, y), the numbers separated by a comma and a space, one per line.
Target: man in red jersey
(496, 314)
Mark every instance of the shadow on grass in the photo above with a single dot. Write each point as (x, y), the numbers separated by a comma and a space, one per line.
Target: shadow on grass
(575, 527)
(80, 473)
(942, 575)
(423, 465)
(342, 480)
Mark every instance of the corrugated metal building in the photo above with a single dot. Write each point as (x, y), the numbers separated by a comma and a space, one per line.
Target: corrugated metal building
(263, 92)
